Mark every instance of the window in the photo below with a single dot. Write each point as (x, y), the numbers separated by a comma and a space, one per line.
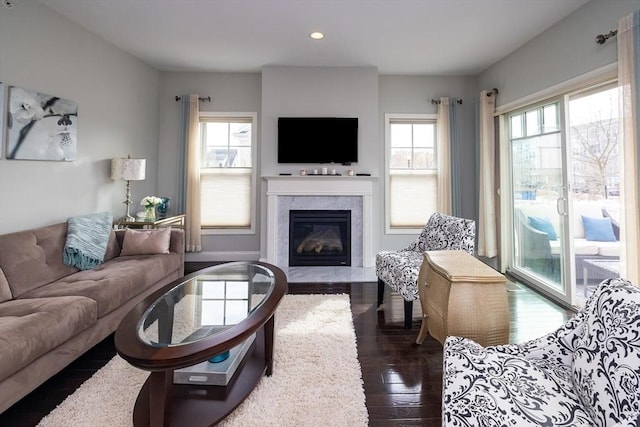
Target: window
(537, 151)
(227, 171)
(412, 171)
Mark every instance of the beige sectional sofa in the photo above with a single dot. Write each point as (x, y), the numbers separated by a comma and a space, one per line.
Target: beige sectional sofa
(51, 313)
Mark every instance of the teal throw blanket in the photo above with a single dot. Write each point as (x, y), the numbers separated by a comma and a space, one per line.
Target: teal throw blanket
(87, 240)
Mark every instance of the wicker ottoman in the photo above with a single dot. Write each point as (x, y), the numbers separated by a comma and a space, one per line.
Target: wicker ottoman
(462, 296)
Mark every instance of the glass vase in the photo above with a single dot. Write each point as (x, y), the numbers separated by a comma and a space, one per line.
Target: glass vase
(163, 207)
(149, 213)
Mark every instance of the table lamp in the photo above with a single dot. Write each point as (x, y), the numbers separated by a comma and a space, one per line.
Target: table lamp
(128, 169)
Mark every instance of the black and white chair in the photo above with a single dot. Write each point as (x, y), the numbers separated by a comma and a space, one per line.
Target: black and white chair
(585, 373)
(399, 269)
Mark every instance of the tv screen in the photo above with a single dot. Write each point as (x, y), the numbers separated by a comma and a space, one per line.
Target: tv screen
(318, 140)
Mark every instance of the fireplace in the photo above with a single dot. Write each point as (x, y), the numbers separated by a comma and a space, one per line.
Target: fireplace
(319, 238)
(285, 193)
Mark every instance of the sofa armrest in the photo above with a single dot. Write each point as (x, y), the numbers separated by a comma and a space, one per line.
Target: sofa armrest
(177, 245)
(558, 345)
(177, 241)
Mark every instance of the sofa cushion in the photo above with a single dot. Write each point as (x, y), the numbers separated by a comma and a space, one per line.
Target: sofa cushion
(113, 247)
(33, 258)
(610, 249)
(30, 328)
(485, 387)
(146, 242)
(598, 229)
(115, 282)
(580, 246)
(606, 362)
(544, 225)
(592, 209)
(399, 270)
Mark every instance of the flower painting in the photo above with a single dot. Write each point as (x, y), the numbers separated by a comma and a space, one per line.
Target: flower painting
(40, 126)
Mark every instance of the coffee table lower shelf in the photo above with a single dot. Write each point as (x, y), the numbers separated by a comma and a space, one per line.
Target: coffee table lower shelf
(204, 405)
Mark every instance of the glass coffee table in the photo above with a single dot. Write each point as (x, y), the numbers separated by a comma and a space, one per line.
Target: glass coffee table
(207, 339)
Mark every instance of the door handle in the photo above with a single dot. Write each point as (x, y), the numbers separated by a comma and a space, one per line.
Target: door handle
(560, 206)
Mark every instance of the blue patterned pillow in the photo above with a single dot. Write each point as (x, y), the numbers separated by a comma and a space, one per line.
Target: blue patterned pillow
(544, 225)
(598, 229)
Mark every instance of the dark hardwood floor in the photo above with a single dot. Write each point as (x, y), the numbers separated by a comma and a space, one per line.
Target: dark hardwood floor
(402, 381)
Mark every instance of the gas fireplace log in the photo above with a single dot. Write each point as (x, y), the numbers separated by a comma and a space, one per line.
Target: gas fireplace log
(317, 241)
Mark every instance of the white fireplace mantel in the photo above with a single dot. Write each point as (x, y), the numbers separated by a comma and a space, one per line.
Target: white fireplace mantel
(320, 186)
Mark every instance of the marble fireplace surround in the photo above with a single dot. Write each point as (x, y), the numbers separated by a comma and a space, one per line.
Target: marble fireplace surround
(353, 193)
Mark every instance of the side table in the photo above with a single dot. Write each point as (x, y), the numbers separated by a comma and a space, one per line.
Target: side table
(460, 295)
(170, 221)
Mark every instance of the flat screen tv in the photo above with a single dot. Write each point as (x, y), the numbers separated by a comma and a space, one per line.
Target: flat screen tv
(318, 140)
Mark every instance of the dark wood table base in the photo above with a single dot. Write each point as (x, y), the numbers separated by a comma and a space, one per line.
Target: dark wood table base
(193, 405)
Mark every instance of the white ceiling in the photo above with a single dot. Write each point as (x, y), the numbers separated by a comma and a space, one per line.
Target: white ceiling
(427, 37)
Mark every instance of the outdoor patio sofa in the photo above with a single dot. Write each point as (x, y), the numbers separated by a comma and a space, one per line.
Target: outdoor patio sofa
(51, 313)
(537, 232)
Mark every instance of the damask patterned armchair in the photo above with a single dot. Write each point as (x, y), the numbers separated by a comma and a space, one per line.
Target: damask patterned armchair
(399, 269)
(586, 373)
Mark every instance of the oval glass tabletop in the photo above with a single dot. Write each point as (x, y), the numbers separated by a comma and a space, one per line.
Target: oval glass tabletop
(205, 304)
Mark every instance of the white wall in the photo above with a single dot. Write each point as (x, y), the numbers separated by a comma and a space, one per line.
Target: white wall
(413, 94)
(565, 51)
(320, 91)
(117, 98)
(229, 92)
(126, 107)
(315, 91)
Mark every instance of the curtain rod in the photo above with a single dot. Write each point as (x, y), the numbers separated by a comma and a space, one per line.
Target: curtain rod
(437, 101)
(493, 91)
(201, 98)
(601, 38)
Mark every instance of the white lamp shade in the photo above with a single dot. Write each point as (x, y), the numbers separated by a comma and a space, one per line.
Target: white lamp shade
(128, 169)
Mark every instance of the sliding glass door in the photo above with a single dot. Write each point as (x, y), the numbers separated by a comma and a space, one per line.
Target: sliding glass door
(538, 195)
(564, 194)
(595, 179)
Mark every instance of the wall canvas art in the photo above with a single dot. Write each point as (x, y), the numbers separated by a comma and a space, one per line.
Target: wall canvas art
(41, 126)
(3, 103)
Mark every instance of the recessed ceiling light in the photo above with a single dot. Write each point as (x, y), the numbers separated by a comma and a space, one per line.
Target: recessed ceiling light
(316, 35)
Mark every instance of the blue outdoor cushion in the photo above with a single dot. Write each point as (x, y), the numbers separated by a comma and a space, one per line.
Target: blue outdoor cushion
(598, 229)
(544, 225)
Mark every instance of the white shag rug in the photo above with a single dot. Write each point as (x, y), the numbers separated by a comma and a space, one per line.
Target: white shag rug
(316, 376)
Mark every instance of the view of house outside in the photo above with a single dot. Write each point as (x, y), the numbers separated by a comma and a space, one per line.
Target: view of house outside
(592, 165)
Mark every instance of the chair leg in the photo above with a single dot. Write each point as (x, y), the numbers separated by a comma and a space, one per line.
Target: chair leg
(380, 292)
(424, 329)
(408, 314)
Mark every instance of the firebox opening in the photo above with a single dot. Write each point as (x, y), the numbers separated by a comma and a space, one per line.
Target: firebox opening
(319, 238)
